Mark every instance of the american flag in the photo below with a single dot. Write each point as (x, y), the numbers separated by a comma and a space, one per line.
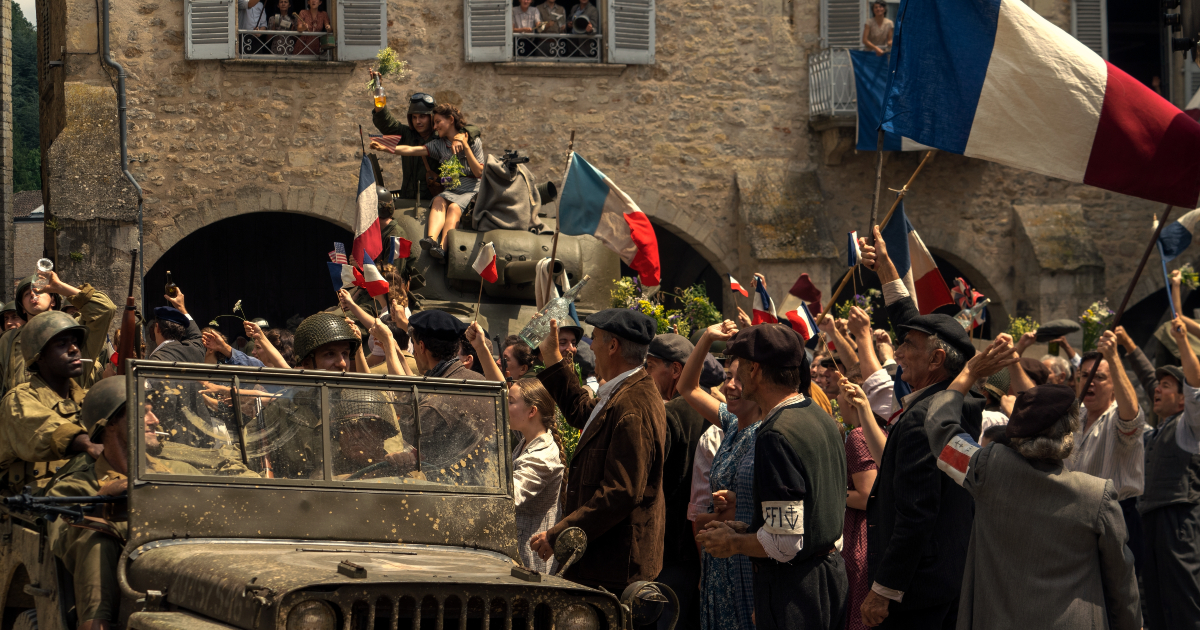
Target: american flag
(338, 255)
(387, 141)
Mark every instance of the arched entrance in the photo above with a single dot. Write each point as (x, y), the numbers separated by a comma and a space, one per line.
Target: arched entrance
(682, 266)
(274, 262)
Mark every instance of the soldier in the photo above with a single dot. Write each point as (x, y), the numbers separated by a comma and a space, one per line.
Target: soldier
(90, 553)
(38, 421)
(96, 312)
(9, 317)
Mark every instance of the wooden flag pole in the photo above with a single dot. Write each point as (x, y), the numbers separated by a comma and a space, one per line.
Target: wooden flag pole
(878, 182)
(899, 197)
(558, 219)
(1128, 294)
(479, 300)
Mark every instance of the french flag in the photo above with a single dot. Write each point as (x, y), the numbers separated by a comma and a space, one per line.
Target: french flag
(367, 243)
(485, 263)
(398, 248)
(955, 458)
(590, 203)
(853, 252)
(1177, 235)
(915, 264)
(764, 308)
(369, 278)
(802, 322)
(992, 79)
(734, 285)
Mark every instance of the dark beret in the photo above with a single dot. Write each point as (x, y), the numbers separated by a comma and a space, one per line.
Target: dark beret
(1173, 371)
(1035, 370)
(946, 328)
(1055, 329)
(671, 348)
(436, 324)
(170, 314)
(773, 344)
(1038, 408)
(625, 323)
(713, 373)
(585, 359)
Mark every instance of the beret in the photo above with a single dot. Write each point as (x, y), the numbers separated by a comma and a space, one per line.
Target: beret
(585, 359)
(436, 324)
(671, 348)
(1038, 408)
(774, 344)
(1055, 329)
(170, 314)
(1035, 370)
(713, 373)
(946, 328)
(625, 323)
(1173, 371)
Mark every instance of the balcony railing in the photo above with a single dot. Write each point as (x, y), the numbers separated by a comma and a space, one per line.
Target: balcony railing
(831, 94)
(564, 48)
(284, 45)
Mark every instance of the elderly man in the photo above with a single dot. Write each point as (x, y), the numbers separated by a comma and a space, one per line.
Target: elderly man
(919, 521)
(799, 489)
(1047, 544)
(615, 483)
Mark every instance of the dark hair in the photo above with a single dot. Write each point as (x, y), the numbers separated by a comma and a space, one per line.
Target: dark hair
(465, 348)
(796, 379)
(439, 349)
(880, 3)
(170, 330)
(521, 351)
(994, 433)
(446, 110)
(285, 342)
(1090, 355)
(386, 211)
(210, 329)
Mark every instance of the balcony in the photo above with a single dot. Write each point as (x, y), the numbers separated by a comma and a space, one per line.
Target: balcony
(288, 45)
(558, 48)
(832, 101)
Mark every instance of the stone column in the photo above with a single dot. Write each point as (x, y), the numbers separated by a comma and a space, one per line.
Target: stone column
(7, 259)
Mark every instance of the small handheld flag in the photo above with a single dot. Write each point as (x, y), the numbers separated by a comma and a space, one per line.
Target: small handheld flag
(399, 248)
(370, 278)
(736, 286)
(485, 263)
(853, 252)
(802, 322)
(367, 243)
(342, 275)
(338, 255)
(764, 308)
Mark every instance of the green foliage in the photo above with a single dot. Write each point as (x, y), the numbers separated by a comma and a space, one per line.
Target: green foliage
(77, 256)
(27, 157)
(1095, 321)
(1018, 326)
(866, 301)
(1188, 276)
(450, 171)
(569, 435)
(697, 311)
(387, 63)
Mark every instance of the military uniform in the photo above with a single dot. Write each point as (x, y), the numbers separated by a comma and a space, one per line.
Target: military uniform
(458, 434)
(36, 427)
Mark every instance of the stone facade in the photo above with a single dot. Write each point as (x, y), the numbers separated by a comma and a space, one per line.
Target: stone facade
(712, 140)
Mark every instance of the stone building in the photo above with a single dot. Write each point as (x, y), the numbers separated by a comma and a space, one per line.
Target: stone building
(719, 119)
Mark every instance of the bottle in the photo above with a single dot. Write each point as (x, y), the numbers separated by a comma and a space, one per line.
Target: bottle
(40, 283)
(968, 318)
(380, 97)
(559, 309)
(171, 289)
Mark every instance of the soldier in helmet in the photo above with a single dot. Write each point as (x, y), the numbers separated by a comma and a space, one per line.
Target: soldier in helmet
(95, 314)
(38, 419)
(9, 317)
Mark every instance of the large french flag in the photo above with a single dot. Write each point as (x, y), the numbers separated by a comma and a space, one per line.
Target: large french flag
(367, 242)
(764, 306)
(915, 264)
(590, 203)
(870, 87)
(992, 79)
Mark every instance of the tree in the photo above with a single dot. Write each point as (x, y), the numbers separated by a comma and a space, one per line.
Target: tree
(27, 157)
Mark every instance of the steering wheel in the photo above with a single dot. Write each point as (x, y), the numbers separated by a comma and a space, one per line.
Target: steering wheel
(372, 468)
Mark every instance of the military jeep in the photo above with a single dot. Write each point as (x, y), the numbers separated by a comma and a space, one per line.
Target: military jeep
(314, 501)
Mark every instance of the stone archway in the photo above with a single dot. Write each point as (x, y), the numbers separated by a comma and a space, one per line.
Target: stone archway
(999, 309)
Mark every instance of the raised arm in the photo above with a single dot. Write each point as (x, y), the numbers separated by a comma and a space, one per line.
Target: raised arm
(688, 384)
(844, 349)
(859, 405)
(1127, 404)
(860, 327)
(274, 359)
(396, 366)
(463, 144)
(478, 340)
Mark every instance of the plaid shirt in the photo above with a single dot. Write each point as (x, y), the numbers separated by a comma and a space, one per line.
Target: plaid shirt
(537, 480)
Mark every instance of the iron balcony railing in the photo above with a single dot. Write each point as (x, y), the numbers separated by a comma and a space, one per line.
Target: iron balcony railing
(282, 45)
(831, 91)
(562, 48)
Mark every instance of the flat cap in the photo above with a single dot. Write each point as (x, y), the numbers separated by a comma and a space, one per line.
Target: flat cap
(1055, 329)
(625, 323)
(1035, 370)
(1038, 408)
(170, 314)
(946, 328)
(671, 348)
(774, 344)
(713, 373)
(1174, 371)
(436, 324)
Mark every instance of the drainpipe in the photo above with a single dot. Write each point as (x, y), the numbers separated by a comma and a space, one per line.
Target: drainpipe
(122, 119)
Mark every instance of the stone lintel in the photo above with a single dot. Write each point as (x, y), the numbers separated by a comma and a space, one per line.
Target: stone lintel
(563, 70)
(1059, 235)
(288, 67)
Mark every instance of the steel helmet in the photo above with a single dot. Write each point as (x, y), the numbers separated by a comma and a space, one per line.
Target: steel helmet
(320, 329)
(101, 403)
(27, 283)
(35, 334)
(362, 405)
(421, 103)
(8, 306)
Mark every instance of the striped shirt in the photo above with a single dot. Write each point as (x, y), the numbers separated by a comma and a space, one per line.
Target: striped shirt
(1112, 449)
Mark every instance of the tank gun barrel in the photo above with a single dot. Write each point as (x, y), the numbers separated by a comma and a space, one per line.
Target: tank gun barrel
(523, 271)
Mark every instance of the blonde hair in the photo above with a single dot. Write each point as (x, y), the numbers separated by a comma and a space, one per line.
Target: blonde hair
(536, 396)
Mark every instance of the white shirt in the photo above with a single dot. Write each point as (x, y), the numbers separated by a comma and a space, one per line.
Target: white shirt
(706, 450)
(1112, 449)
(251, 16)
(604, 393)
(881, 393)
(526, 19)
(991, 419)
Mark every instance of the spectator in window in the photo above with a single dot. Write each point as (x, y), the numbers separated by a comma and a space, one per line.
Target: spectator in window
(590, 23)
(553, 17)
(311, 20)
(450, 126)
(525, 17)
(285, 20)
(251, 15)
(877, 34)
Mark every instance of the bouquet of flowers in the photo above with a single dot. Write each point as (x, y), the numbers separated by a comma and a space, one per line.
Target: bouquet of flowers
(1018, 326)
(865, 301)
(1188, 276)
(450, 172)
(1095, 321)
(387, 64)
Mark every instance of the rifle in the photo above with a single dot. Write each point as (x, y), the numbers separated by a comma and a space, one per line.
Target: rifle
(50, 508)
(128, 346)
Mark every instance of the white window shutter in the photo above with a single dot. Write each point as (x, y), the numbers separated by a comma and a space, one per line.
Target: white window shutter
(210, 28)
(488, 30)
(630, 27)
(1089, 24)
(842, 23)
(361, 29)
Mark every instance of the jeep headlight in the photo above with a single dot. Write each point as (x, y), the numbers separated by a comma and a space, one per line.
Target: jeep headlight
(577, 617)
(312, 614)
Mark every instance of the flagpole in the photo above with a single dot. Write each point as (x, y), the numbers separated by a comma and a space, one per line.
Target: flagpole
(558, 219)
(899, 197)
(878, 180)
(1129, 293)
(478, 300)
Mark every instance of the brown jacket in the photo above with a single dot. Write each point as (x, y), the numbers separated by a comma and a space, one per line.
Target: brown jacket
(614, 487)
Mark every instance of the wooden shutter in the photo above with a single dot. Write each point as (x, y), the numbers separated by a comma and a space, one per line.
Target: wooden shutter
(1191, 80)
(842, 23)
(210, 28)
(1089, 24)
(488, 30)
(361, 29)
(630, 27)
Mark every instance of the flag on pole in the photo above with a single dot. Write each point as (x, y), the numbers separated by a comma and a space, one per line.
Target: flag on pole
(870, 87)
(398, 248)
(764, 308)
(1177, 235)
(366, 220)
(485, 263)
(342, 275)
(590, 203)
(388, 141)
(802, 322)
(804, 289)
(915, 264)
(992, 79)
(346, 276)
(853, 252)
(736, 286)
(338, 255)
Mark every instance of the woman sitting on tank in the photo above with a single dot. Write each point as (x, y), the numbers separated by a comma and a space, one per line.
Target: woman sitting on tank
(459, 163)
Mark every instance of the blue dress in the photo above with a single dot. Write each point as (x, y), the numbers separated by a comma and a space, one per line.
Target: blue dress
(727, 584)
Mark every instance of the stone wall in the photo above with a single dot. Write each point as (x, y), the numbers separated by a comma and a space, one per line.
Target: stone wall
(28, 248)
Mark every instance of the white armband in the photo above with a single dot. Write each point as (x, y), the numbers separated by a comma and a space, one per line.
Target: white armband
(783, 517)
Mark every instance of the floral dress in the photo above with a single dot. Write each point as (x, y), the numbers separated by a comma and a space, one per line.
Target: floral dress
(854, 530)
(727, 584)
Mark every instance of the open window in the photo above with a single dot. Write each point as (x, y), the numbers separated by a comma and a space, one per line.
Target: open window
(610, 31)
(342, 30)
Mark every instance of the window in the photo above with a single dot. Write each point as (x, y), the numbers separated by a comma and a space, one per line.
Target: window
(343, 30)
(1089, 24)
(622, 31)
(842, 22)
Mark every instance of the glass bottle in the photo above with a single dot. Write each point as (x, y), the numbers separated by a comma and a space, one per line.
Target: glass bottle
(171, 289)
(558, 309)
(968, 318)
(380, 97)
(43, 265)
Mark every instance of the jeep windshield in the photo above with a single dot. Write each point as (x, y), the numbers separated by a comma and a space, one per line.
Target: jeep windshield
(266, 426)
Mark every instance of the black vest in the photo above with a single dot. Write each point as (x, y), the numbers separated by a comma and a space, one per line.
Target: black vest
(1172, 474)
